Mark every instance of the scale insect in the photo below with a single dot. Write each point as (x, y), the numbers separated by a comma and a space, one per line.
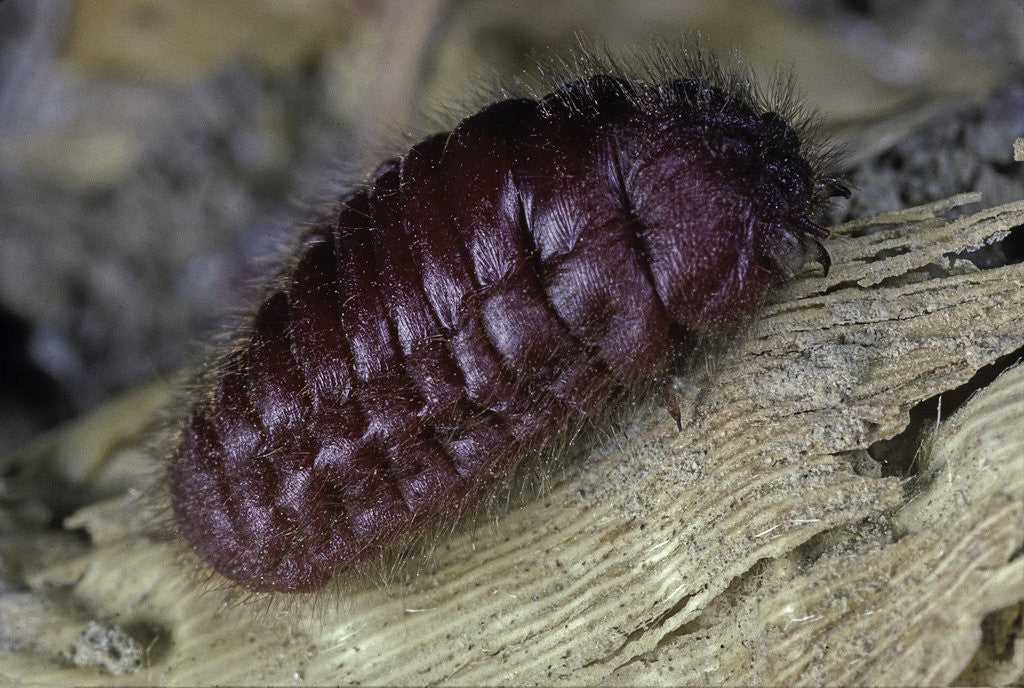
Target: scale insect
(477, 295)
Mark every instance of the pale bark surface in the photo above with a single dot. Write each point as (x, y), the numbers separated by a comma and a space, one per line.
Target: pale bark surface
(762, 543)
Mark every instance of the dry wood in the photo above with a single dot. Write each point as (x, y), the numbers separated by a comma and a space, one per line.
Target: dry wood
(759, 544)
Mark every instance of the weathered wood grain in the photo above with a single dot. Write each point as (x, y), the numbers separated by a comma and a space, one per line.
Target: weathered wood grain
(759, 544)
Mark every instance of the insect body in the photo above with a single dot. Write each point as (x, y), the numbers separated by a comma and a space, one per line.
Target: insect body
(475, 296)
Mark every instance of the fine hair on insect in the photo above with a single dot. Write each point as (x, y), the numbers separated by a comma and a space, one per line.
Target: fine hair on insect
(485, 305)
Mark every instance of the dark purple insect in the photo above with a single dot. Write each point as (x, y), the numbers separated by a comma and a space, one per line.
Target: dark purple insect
(486, 290)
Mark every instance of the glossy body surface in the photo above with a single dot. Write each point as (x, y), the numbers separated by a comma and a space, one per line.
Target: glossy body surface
(479, 294)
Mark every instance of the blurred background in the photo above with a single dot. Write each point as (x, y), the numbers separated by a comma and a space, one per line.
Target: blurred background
(155, 155)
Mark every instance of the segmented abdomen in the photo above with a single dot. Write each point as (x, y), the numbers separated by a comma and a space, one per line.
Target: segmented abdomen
(481, 291)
